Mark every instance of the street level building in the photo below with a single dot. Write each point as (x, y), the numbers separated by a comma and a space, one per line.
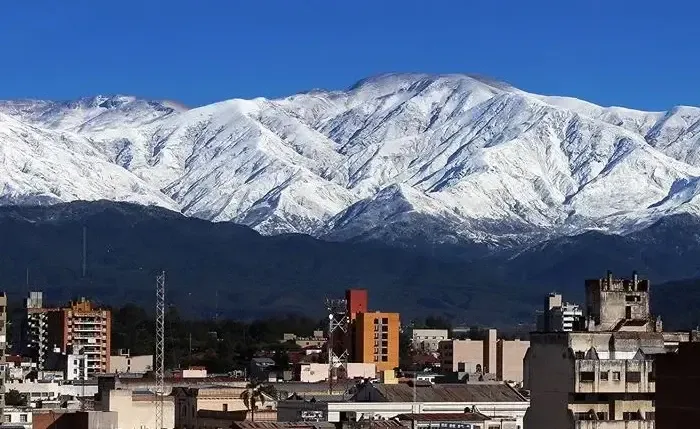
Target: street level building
(677, 397)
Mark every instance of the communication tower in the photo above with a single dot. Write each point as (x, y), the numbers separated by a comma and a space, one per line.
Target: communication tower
(338, 340)
(160, 349)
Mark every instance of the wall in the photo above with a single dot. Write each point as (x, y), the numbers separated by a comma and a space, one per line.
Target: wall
(509, 357)
(130, 364)
(677, 395)
(76, 420)
(550, 367)
(136, 412)
(428, 339)
(490, 351)
(316, 372)
(468, 352)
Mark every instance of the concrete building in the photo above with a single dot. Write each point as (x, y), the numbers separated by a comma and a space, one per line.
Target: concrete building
(76, 366)
(604, 377)
(317, 372)
(677, 397)
(386, 401)
(502, 359)
(188, 401)
(62, 419)
(52, 391)
(376, 339)
(428, 340)
(509, 360)
(3, 348)
(80, 325)
(136, 408)
(316, 341)
(559, 316)
(17, 417)
(124, 362)
(467, 420)
(35, 329)
(83, 325)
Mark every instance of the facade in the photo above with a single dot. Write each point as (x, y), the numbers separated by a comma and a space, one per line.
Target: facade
(317, 341)
(509, 360)
(76, 367)
(373, 402)
(317, 372)
(188, 401)
(17, 417)
(136, 409)
(376, 339)
(35, 330)
(48, 332)
(428, 340)
(123, 362)
(3, 348)
(82, 325)
(357, 302)
(603, 377)
(677, 397)
(559, 316)
(467, 420)
(502, 359)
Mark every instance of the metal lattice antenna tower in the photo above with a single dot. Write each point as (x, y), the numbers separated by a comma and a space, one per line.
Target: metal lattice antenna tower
(338, 331)
(160, 349)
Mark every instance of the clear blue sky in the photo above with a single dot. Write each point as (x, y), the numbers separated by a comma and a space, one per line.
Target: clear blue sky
(638, 53)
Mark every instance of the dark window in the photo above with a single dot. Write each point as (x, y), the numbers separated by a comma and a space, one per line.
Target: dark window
(633, 377)
(616, 375)
(604, 376)
(461, 367)
(225, 407)
(652, 376)
(385, 359)
(587, 376)
(385, 321)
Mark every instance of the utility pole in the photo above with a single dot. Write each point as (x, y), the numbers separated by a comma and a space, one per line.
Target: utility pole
(84, 250)
(160, 349)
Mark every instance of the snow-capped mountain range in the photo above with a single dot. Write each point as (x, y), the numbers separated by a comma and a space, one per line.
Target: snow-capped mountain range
(458, 156)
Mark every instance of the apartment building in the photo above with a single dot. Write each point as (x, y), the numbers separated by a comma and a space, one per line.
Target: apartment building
(35, 330)
(559, 316)
(376, 339)
(499, 358)
(602, 377)
(124, 362)
(3, 348)
(86, 328)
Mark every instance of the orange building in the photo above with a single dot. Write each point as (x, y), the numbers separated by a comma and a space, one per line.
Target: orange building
(376, 339)
(83, 327)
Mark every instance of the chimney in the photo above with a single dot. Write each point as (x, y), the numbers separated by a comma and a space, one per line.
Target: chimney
(635, 280)
(610, 279)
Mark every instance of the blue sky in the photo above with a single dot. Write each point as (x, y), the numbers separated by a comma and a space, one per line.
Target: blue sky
(632, 53)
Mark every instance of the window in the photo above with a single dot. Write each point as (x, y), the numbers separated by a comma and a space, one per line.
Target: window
(633, 376)
(616, 375)
(604, 376)
(23, 418)
(587, 376)
(385, 359)
(225, 407)
(385, 321)
(461, 367)
(652, 376)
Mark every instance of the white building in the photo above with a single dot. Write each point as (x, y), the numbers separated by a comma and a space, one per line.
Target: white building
(316, 372)
(559, 316)
(386, 401)
(76, 367)
(428, 339)
(17, 417)
(50, 391)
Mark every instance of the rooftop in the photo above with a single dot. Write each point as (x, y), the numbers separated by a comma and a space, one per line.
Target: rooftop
(481, 392)
(444, 417)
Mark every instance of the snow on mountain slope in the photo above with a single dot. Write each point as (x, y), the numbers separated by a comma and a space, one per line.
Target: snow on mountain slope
(467, 157)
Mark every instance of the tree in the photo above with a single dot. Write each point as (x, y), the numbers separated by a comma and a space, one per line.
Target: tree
(16, 399)
(254, 393)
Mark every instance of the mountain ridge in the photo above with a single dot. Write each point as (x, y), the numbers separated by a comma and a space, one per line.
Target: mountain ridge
(474, 158)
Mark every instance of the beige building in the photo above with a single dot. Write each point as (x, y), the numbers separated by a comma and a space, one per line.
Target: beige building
(604, 377)
(188, 401)
(316, 341)
(316, 372)
(136, 409)
(125, 363)
(509, 360)
(503, 359)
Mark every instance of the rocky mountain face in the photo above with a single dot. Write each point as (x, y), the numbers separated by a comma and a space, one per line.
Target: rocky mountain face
(447, 158)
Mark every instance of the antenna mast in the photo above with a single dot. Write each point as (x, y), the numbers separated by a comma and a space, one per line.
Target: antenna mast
(160, 348)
